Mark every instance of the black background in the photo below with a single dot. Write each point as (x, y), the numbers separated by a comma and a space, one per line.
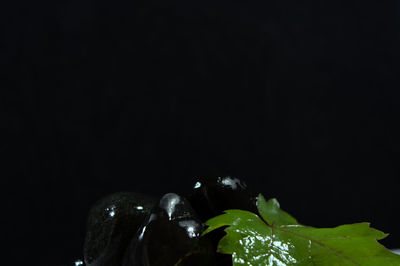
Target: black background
(298, 98)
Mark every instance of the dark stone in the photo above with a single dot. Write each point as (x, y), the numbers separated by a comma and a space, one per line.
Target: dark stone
(77, 262)
(212, 195)
(112, 223)
(171, 236)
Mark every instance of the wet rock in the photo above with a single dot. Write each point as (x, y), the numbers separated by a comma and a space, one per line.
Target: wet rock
(77, 262)
(170, 236)
(112, 223)
(212, 195)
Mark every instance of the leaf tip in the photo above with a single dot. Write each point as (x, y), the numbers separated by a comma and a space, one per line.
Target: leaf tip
(275, 202)
(206, 231)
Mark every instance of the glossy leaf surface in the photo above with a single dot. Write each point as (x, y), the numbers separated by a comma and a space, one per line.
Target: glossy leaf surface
(276, 238)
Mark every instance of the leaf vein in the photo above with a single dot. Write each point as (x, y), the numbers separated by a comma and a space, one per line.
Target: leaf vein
(338, 254)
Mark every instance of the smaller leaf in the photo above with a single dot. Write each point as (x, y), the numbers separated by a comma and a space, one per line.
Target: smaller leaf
(230, 217)
(270, 211)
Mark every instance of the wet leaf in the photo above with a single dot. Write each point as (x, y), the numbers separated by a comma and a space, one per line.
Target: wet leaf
(276, 238)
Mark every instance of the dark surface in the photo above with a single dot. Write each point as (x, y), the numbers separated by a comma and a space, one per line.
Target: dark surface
(112, 223)
(211, 196)
(298, 98)
(171, 235)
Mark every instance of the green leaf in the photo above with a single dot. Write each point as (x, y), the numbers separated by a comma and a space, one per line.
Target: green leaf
(276, 238)
(271, 212)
